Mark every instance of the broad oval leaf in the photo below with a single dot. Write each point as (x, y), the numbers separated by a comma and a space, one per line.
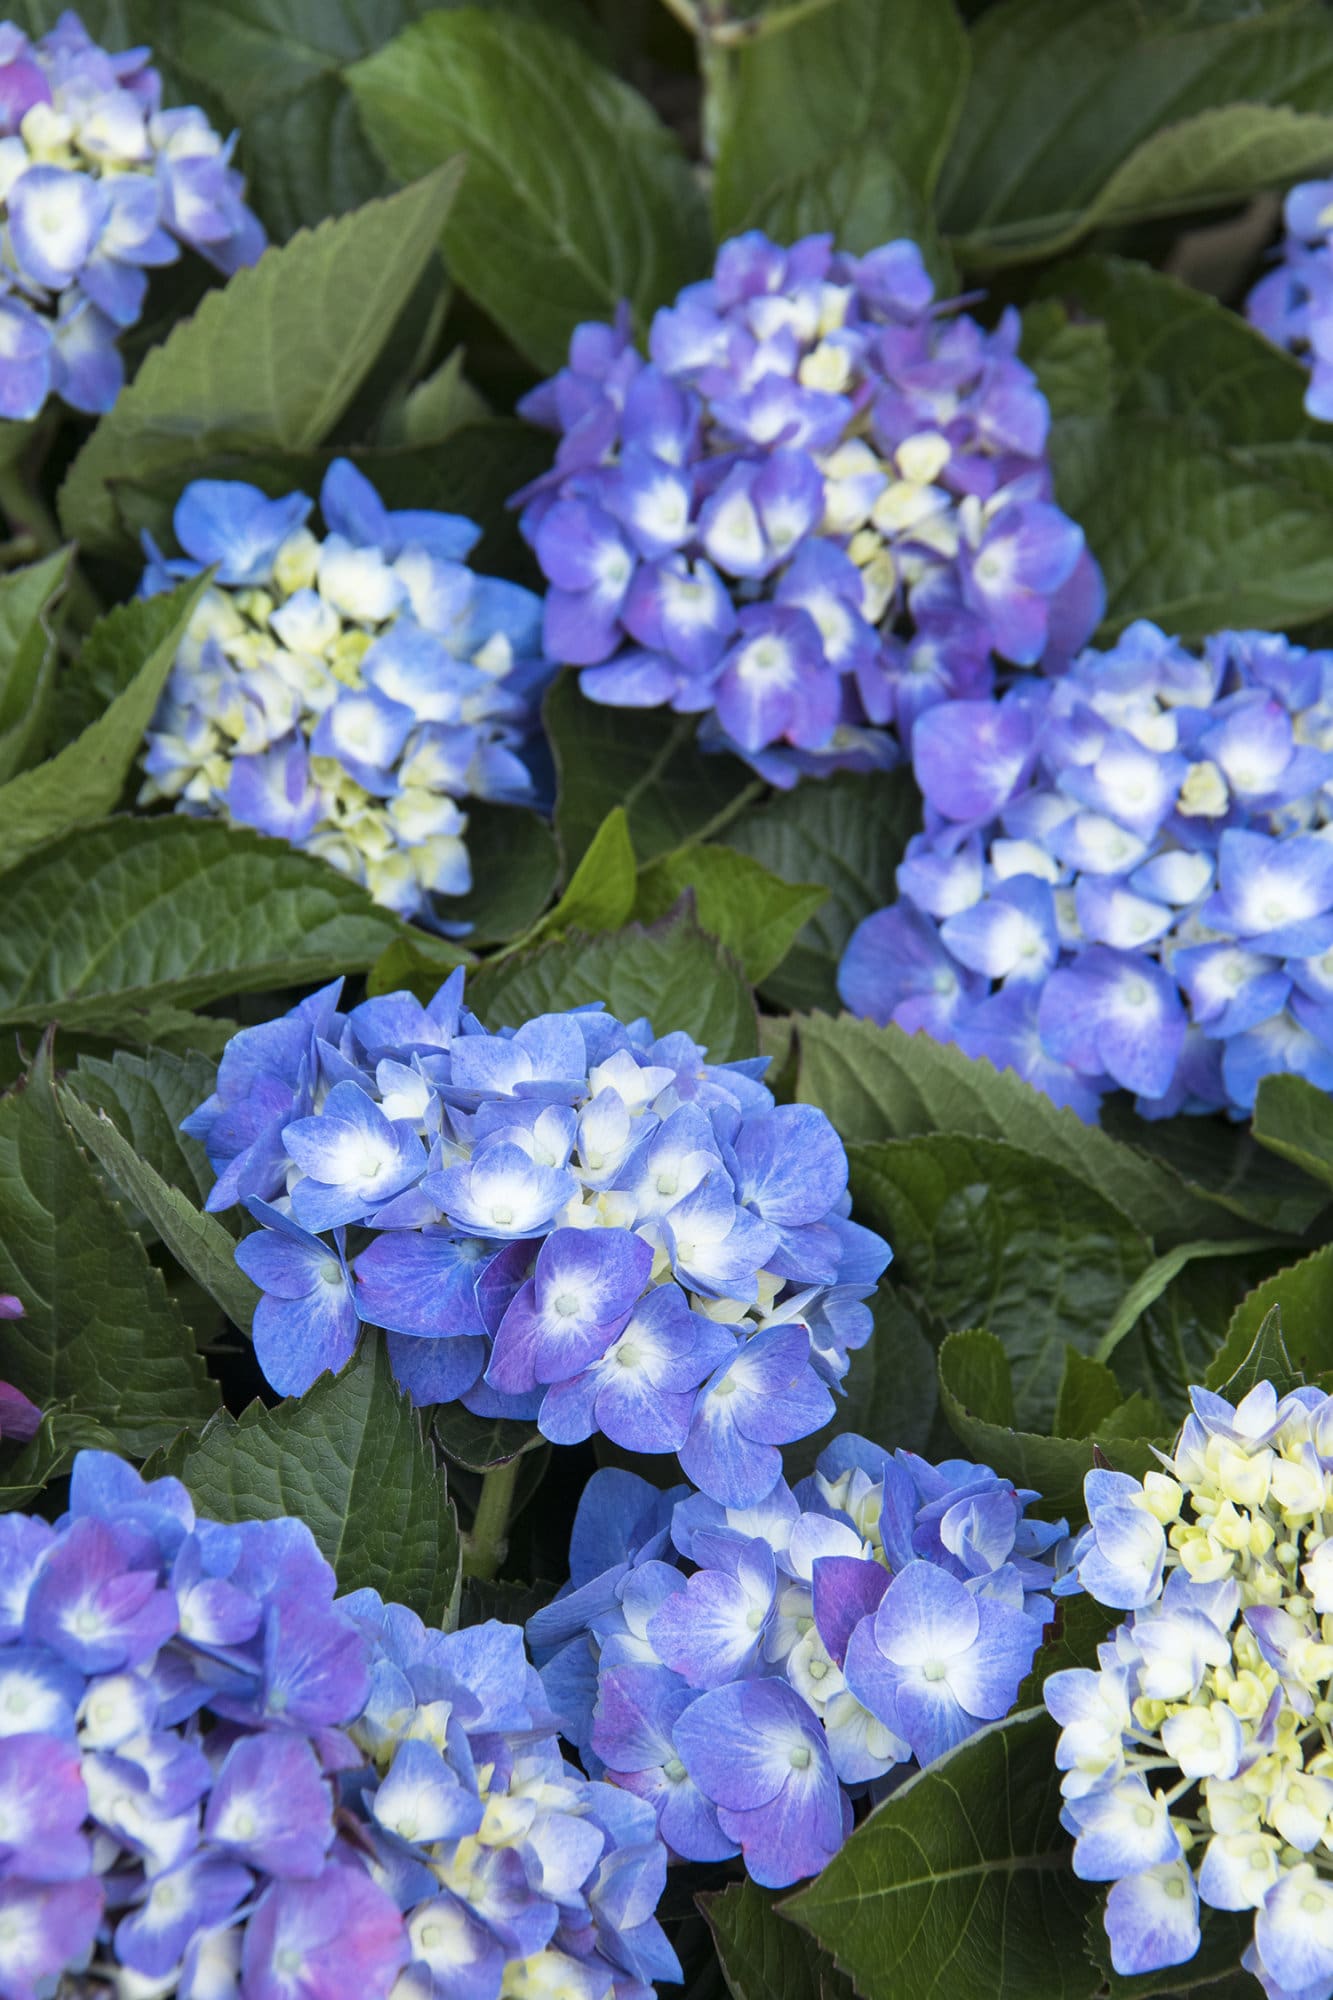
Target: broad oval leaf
(353, 1460)
(576, 195)
(100, 1332)
(120, 918)
(960, 1887)
(271, 360)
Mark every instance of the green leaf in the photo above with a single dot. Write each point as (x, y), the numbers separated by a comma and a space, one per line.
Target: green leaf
(198, 1241)
(146, 1094)
(847, 833)
(85, 779)
(440, 405)
(1303, 1294)
(48, 1455)
(472, 472)
(880, 1083)
(515, 866)
(1220, 1162)
(1148, 1288)
(271, 361)
(479, 1444)
(1089, 1393)
(645, 760)
(1197, 536)
(279, 69)
(418, 963)
(761, 1954)
(600, 896)
(842, 123)
(959, 1887)
(576, 195)
(1295, 1120)
(1173, 351)
(352, 1459)
(992, 1236)
(1090, 113)
(100, 1331)
(114, 920)
(976, 1391)
(754, 912)
(1081, 1625)
(1265, 1360)
(1073, 361)
(27, 657)
(673, 972)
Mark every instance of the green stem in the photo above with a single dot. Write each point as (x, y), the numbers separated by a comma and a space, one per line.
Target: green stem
(717, 73)
(485, 1547)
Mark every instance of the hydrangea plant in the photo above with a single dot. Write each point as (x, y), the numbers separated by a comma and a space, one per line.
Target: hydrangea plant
(1124, 880)
(752, 1671)
(99, 185)
(217, 1778)
(575, 1221)
(1196, 1755)
(346, 691)
(818, 505)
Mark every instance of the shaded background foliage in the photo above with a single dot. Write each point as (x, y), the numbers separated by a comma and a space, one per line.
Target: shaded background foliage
(453, 189)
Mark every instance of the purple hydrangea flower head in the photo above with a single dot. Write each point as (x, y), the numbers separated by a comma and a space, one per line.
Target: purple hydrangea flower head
(1193, 1758)
(1293, 303)
(347, 693)
(1125, 880)
(101, 185)
(819, 504)
(576, 1221)
(218, 1778)
(754, 1669)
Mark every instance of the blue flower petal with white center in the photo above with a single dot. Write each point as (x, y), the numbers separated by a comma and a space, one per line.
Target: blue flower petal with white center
(1293, 1930)
(354, 1158)
(501, 1193)
(1009, 936)
(271, 1807)
(236, 527)
(584, 1287)
(1152, 1919)
(1113, 1012)
(1120, 1830)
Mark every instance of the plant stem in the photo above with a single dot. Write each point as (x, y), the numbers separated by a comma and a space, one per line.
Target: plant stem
(484, 1548)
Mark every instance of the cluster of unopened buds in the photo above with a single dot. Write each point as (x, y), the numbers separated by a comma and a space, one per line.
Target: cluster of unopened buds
(820, 504)
(752, 1671)
(346, 692)
(98, 186)
(1293, 303)
(1198, 1758)
(217, 1780)
(1125, 879)
(575, 1222)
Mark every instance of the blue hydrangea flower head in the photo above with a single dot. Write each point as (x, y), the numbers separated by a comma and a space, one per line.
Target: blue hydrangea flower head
(1293, 303)
(752, 1672)
(1125, 880)
(575, 1221)
(1195, 1757)
(817, 506)
(347, 692)
(218, 1779)
(98, 186)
